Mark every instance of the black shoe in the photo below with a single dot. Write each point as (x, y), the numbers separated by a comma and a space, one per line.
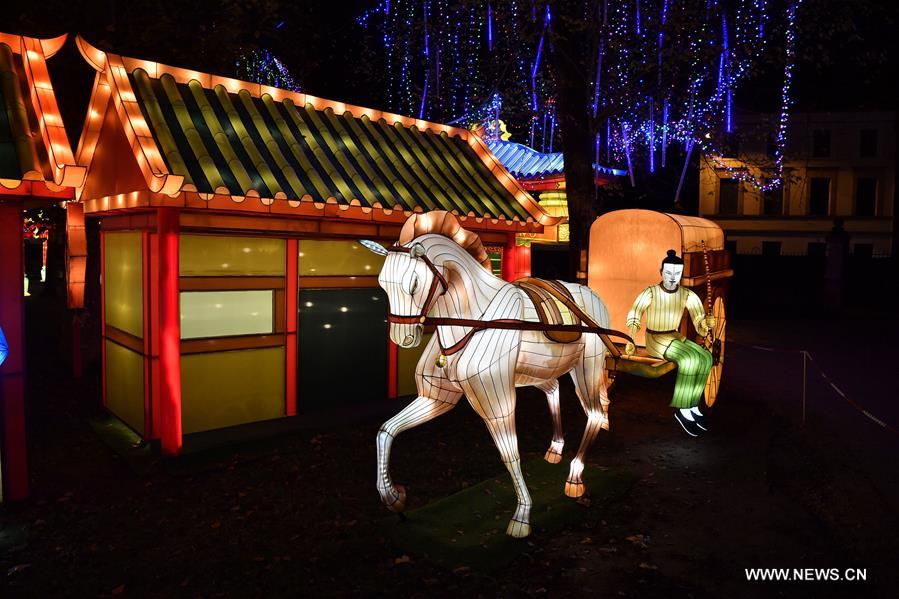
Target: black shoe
(688, 425)
(699, 419)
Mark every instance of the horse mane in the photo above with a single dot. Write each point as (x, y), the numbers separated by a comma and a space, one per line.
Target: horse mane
(441, 222)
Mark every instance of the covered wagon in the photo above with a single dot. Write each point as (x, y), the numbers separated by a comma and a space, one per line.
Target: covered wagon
(626, 248)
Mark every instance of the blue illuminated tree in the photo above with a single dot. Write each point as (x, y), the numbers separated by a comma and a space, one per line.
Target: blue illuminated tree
(642, 84)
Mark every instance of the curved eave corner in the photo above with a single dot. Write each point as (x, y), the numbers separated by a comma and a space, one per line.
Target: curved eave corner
(63, 170)
(112, 83)
(511, 183)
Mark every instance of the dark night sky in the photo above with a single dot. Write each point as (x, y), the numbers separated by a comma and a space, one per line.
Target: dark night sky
(847, 49)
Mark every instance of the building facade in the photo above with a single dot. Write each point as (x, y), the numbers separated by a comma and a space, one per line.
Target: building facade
(837, 165)
(234, 287)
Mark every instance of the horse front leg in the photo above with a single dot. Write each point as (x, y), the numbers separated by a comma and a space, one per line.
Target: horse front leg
(502, 429)
(495, 403)
(421, 410)
(554, 453)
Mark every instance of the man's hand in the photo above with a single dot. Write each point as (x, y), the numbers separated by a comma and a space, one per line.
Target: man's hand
(710, 322)
(630, 349)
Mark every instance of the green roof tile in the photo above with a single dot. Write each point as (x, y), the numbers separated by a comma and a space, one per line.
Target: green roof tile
(215, 138)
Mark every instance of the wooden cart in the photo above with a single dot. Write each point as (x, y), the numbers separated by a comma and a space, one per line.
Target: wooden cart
(626, 250)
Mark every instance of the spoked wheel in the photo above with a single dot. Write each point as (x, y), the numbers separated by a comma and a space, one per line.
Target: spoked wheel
(717, 348)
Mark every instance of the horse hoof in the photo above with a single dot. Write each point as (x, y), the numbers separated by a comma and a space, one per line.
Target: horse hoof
(574, 489)
(552, 457)
(399, 504)
(518, 530)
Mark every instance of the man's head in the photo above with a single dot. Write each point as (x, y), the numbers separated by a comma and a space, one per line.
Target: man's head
(672, 270)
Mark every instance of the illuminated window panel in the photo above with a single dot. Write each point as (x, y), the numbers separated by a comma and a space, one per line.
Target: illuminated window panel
(226, 313)
(342, 355)
(216, 256)
(223, 389)
(125, 385)
(335, 258)
(123, 285)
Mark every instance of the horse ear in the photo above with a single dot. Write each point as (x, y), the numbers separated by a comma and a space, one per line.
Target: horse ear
(373, 246)
(417, 250)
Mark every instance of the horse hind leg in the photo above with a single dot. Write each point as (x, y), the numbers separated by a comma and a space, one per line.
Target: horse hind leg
(554, 453)
(590, 383)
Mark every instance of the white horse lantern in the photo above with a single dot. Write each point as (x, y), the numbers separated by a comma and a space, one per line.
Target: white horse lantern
(491, 337)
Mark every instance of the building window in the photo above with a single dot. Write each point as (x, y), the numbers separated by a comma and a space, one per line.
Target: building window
(729, 196)
(770, 248)
(867, 143)
(773, 202)
(865, 196)
(821, 143)
(496, 262)
(816, 248)
(819, 196)
(206, 314)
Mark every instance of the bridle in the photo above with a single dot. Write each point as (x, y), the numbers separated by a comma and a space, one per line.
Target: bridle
(438, 279)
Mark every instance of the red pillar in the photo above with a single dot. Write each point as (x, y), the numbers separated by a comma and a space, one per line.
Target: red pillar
(76, 264)
(167, 226)
(290, 339)
(516, 260)
(12, 372)
(393, 364)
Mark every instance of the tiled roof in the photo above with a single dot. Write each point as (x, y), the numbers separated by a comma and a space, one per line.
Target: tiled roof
(33, 143)
(526, 163)
(201, 133)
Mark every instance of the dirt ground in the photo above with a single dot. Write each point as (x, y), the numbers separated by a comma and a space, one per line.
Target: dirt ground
(299, 515)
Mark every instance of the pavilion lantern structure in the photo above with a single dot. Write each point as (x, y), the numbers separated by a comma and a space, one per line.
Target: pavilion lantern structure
(543, 175)
(234, 287)
(36, 168)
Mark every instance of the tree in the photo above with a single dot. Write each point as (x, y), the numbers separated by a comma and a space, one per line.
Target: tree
(633, 82)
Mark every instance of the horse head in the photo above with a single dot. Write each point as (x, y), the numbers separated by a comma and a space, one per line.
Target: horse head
(412, 283)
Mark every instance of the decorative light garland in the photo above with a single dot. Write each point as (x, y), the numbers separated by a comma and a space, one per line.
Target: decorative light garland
(452, 55)
(261, 66)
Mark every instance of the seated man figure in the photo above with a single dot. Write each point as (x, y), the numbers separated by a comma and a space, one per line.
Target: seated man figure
(664, 305)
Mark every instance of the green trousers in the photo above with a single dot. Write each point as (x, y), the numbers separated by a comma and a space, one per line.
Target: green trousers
(693, 365)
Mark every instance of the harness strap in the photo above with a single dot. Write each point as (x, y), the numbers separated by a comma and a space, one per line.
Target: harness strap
(522, 325)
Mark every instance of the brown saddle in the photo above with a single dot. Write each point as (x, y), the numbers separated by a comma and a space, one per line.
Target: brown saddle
(549, 297)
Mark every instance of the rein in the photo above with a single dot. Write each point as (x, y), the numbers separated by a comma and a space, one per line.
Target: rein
(477, 325)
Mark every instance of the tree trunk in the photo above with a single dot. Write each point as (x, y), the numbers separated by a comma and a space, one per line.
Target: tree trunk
(575, 124)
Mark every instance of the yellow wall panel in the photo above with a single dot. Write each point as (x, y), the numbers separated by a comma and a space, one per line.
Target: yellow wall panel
(407, 360)
(229, 388)
(334, 258)
(125, 385)
(218, 256)
(123, 284)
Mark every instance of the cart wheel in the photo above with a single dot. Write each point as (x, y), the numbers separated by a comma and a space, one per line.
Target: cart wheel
(719, 336)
